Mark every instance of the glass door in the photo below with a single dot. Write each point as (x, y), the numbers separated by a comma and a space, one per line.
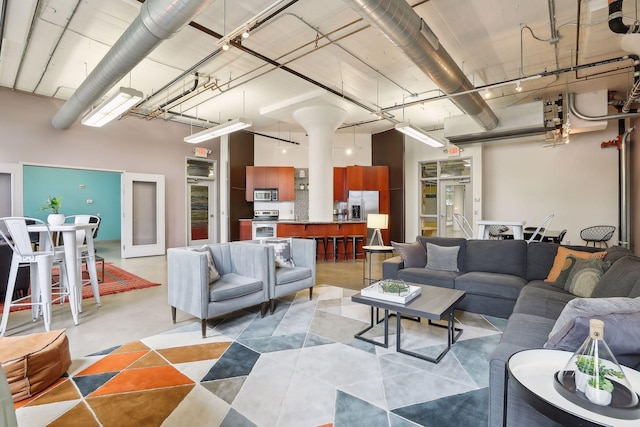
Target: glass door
(143, 223)
(201, 217)
(456, 199)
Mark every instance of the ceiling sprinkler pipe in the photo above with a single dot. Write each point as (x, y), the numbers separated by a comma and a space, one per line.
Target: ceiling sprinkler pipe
(615, 19)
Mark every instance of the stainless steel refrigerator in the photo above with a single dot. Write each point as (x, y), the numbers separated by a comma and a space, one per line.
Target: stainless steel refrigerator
(360, 204)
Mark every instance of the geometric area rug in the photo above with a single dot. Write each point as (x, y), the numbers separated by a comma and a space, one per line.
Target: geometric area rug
(300, 366)
(115, 280)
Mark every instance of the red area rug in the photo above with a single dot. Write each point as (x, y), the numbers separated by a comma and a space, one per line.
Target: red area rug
(115, 280)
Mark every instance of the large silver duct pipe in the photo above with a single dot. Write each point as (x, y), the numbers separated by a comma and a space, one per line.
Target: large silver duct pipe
(402, 25)
(158, 20)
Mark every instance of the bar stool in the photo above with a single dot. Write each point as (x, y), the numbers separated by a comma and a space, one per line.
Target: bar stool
(336, 240)
(355, 238)
(320, 242)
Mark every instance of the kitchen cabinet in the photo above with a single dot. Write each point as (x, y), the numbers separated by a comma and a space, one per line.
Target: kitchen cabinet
(245, 230)
(367, 178)
(340, 193)
(280, 177)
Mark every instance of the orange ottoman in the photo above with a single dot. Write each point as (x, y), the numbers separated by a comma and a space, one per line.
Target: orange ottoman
(34, 362)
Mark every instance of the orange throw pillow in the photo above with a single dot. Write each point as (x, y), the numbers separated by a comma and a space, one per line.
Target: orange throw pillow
(561, 257)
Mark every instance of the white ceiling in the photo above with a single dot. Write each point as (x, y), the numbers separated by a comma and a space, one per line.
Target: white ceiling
(355, 66)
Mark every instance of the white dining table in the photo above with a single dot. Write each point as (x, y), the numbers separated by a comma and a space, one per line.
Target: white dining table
(517, 226)
(74, 273)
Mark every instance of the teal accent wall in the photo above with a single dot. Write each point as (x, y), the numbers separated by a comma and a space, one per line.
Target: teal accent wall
(101, 187)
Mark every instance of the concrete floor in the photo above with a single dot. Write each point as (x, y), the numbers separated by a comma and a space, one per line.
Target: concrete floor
(133, 315)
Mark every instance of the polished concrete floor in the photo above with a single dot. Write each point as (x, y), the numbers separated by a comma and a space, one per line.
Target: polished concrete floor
(141, 313)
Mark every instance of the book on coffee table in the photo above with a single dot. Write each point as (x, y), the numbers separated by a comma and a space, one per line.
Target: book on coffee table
(392, 290)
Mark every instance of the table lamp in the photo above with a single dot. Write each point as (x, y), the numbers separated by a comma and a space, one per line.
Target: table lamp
(377, 222)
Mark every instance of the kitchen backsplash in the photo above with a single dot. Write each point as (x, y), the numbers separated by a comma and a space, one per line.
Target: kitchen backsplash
(301, 183)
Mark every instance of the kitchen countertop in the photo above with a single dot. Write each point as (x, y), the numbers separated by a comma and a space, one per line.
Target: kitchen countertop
(293, 221)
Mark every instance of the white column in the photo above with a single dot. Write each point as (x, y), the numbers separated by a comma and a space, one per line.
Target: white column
(320, 122)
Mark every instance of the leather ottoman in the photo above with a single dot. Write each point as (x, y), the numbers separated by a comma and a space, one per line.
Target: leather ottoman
(33, 362)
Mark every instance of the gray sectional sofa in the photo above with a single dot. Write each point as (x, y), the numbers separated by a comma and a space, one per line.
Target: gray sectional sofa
(505, 278)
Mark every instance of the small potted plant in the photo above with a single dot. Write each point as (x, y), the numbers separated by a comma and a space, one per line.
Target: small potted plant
(54, 204)
(598, 390)
(585, 371)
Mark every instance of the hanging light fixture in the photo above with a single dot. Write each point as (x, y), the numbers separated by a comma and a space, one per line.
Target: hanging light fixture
(216, 131)
(419, 134)
(246, 33)
(113, 107)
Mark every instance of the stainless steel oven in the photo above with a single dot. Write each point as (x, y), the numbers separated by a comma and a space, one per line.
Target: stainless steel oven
(265, 224)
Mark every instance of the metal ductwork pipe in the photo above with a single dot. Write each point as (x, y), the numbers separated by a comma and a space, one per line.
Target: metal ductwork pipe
(615, 19)
(158, 20)
(402, 25)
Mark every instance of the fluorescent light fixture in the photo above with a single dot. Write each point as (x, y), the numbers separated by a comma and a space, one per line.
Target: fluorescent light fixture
(222, 129)
(113, 107)
(419, 134)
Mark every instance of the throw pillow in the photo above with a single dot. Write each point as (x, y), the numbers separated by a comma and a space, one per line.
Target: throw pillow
(442, 257)
(584, 276)
(213, 271)
(558, 261)
(621, 330)
(412, 254)
(569, 262)
(281, 251)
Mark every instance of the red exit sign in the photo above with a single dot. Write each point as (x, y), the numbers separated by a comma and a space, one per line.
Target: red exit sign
(453, 151)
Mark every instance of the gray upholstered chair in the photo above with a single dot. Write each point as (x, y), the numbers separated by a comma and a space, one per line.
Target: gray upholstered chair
(286, 280)
(244, 280)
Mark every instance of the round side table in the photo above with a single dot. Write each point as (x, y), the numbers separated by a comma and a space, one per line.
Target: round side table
(368, 250)
(533, 372)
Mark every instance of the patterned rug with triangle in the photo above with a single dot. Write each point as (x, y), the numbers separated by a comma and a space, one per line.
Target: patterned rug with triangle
(300, 366)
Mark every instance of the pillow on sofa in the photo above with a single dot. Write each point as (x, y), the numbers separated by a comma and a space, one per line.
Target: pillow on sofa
(413, 254)
(558, 261)
(614, 253)
(213, 271)
(442, 257)
(584, 276)
(281, 251)
(568, 264)
(621, 329)
(620, 280)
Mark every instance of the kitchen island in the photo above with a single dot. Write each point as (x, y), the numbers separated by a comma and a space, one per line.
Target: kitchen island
(304, 229)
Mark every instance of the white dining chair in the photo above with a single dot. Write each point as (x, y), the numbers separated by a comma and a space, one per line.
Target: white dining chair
(85, 256)
(538, 234)
(465, 227)
(14, 231)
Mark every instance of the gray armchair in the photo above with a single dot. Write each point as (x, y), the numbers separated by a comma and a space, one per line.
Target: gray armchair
(244, 280)
(286, 280)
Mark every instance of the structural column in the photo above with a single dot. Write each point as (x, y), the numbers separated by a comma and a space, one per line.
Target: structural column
(320, 122)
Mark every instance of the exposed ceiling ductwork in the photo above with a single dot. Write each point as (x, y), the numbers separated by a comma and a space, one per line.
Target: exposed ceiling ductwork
(402, 25)
(158, 20)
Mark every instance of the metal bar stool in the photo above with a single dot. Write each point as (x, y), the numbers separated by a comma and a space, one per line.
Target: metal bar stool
(355, 238)
(320, 242)
(336, 240)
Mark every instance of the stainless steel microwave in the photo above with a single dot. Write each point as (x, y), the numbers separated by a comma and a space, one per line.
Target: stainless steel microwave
(265, 195)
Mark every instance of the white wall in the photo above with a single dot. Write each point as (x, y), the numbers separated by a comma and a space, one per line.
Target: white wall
(515, 180)
(130, 144)
(578, 182)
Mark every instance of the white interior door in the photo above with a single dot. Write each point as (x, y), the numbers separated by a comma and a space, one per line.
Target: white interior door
(11, 189)
(201, 219)
(143, 215)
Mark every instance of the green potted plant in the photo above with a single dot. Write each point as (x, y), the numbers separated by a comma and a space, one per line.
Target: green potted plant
(598, 390)
(54, 204)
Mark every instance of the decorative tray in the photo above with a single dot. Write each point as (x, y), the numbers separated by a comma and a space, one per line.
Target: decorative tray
(392, 290)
